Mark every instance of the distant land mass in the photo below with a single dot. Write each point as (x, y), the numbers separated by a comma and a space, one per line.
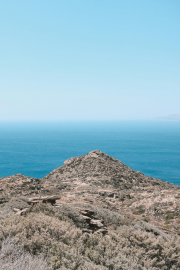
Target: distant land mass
(171, 117)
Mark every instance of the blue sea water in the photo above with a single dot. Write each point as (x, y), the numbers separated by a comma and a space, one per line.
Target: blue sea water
(35, 149)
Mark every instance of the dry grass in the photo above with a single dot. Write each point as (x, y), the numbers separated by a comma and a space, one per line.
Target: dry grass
(56, 238)
(13, 257)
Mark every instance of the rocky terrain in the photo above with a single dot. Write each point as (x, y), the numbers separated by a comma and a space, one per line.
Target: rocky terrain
(97, 196)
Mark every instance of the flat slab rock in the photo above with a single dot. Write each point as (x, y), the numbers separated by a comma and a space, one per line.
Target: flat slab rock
(45, 199)
(19, 212)
(96, 223)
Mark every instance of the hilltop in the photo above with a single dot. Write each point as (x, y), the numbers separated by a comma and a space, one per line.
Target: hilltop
(96, 196)
(100, 179)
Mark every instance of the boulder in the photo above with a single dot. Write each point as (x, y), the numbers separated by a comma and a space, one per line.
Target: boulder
(96, 223)
(46, 199)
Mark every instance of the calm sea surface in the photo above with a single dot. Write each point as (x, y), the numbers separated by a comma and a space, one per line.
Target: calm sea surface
(35, 149)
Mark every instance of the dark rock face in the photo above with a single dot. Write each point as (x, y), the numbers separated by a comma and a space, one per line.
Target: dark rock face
(3, 200)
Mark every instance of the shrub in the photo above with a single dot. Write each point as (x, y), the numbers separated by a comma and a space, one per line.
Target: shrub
(139, 210)
(49, 231)
(13, 257)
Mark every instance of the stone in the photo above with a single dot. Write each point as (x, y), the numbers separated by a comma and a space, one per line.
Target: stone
(96, 223)
(46, 199)
(102, 231)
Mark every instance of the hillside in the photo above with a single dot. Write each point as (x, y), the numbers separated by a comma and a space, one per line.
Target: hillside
(117, 218)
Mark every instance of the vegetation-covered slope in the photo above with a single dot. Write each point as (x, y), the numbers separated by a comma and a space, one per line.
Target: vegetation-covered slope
(107, 216)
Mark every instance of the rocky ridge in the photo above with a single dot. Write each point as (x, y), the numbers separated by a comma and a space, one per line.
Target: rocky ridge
(96, 207)
(99, 179)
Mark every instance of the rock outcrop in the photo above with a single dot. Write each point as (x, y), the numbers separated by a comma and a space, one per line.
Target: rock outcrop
(93, 225)
(44, 199)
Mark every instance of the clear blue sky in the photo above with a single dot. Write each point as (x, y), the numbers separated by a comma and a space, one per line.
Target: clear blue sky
(87, 60)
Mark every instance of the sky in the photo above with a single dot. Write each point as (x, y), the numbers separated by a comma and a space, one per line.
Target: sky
(89, 60)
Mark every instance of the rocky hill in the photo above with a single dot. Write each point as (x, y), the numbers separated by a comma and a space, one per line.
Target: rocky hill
(171, 117)
(100, 170)
(99, 199)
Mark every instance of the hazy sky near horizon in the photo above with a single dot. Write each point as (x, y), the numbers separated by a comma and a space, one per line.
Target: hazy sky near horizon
(87, 60)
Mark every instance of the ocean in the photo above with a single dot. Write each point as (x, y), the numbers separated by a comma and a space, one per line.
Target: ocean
(35, 149)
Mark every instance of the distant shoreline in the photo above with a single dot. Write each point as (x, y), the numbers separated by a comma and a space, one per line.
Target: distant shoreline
(172, 117)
